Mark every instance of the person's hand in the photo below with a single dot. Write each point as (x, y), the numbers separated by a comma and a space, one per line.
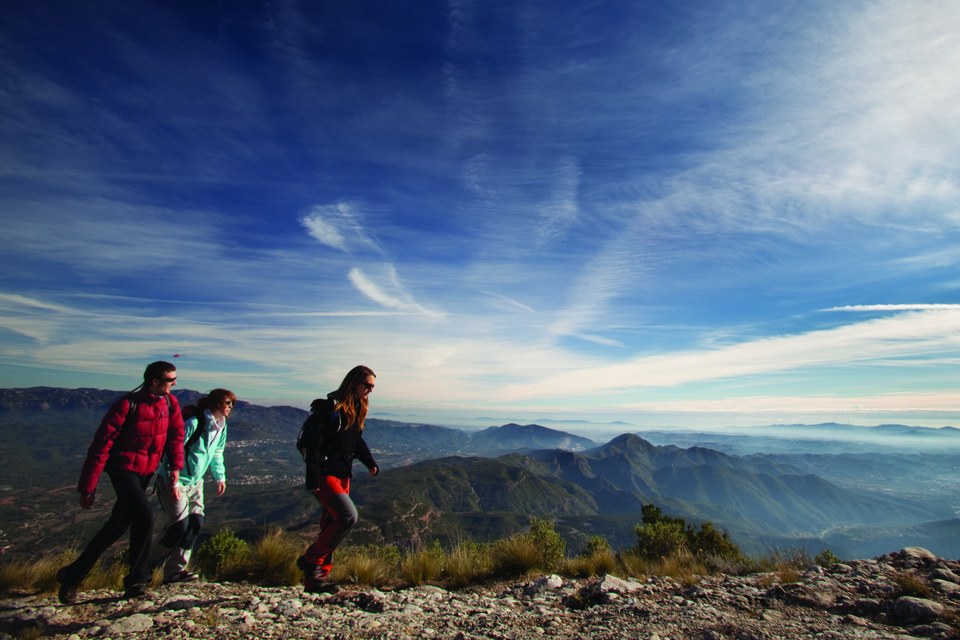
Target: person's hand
(221, 487)
(374, 470)
(86, 500)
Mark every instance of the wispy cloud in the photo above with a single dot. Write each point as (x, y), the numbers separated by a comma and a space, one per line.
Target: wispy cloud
(389, 292)
(896, 307)
(338, 226)
(539, 206)
(884, 342)
(559, 213)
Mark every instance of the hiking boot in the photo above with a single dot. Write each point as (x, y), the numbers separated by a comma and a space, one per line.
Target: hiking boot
(181, 576)
(319, 586)
(305, 566)
(311, 571)
(67, 594)
(135, 591)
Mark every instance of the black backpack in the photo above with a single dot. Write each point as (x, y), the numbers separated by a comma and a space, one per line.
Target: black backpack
(310, 437)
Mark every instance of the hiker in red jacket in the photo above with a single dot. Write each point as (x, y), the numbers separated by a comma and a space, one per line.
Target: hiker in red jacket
(132, 436)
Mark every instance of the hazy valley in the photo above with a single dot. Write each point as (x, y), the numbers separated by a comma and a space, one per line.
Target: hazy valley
(860, 492)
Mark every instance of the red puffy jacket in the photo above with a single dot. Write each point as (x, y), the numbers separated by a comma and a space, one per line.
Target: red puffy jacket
(138, 446)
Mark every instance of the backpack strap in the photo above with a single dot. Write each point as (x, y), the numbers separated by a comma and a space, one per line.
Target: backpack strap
(133, 405)
(201, 424)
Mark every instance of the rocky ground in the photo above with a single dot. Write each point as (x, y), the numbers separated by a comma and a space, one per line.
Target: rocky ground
(858, 599)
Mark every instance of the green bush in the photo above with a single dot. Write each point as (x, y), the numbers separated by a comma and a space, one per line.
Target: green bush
(596, 558)
(222, 556)
(708, 541)
(661, 536)
(826, 558)
(595, 545)
(548, 541)
(660, 540)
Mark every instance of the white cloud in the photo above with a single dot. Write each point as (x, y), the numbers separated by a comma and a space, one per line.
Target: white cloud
(896, 307)
(507, 303)
(338, 226)
(396, 298)
(836, 405)
(888, 341)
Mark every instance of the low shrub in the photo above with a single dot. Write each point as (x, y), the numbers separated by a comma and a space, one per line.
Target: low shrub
(546, 539)
(660, 539)
(33, 576)
(373, 565)
(271, 560)
(422, 566)
(360, 569)
(910, 584)
(467, 563)
(598, 563)
(826, 558)
(223, 557)
(781, 559)
(514, 556)
(633, 564)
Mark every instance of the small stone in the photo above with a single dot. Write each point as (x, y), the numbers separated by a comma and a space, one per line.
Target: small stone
(137, 623)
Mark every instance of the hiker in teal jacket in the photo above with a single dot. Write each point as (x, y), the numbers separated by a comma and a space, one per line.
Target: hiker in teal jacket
(205, 436)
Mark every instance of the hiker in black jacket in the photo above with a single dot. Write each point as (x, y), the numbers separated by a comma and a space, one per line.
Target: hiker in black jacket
(330, 439)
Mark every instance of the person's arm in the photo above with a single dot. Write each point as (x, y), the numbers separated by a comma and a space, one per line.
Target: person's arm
(174, 445)
(175, 439)
(99, 450)
(363, 453)
(217, 469)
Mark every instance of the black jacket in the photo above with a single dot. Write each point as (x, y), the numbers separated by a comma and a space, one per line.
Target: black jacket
(331, 446)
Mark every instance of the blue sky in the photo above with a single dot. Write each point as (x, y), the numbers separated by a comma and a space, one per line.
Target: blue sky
(690, 214)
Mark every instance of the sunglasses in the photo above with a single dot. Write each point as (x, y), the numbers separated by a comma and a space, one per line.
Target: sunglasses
(168, 379)
(367, 385)
(228, 403)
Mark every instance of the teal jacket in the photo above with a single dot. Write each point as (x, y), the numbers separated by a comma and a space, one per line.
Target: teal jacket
(202, 455)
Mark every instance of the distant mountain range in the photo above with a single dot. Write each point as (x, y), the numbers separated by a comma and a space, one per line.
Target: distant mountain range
(444, 483)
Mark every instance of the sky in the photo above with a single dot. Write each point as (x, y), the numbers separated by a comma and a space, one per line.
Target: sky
(694, 214)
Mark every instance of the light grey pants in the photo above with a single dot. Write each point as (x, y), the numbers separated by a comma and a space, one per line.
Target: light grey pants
(177, 543)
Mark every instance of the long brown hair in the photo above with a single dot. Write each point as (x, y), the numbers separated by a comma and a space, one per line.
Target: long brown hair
(215, 399)
(352, 404)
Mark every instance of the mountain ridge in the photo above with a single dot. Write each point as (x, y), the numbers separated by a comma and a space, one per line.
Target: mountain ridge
(762, 499)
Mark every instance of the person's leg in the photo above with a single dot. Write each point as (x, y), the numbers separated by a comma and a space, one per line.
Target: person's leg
(124, 483)
(194, 524)
(176, 510)
(192, 521)
(339, 517)
(141, 532)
